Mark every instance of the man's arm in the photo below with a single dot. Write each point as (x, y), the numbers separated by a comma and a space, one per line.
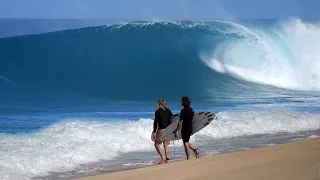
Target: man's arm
(171, 114)
(178, 127)
(179, 124)
(155, 122)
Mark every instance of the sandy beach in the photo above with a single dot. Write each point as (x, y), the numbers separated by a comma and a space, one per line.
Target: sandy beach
(297, 160)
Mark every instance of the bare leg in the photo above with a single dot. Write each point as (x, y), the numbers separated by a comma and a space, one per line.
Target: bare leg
(187, 150)
(166, 149)
(191, 147)
(194, 150)
(159, 150)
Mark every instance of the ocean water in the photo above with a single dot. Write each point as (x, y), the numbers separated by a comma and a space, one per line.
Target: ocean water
(81, 101)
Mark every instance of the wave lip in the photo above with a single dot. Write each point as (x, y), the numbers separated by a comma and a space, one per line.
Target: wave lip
(285, 56)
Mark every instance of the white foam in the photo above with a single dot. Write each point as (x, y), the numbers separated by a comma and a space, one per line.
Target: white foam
(235, 124)
(211, 152)
(68, 144)
(271, 144)
(313, 136)
(138, 164)
(287, 57)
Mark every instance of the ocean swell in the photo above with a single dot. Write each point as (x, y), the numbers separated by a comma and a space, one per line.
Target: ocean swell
(145, 60)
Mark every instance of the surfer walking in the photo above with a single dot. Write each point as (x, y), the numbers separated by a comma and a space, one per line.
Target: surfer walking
(162, 119)
(185, 122)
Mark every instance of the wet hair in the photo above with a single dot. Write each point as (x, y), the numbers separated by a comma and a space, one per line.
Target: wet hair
(185, 101)
(162, 103)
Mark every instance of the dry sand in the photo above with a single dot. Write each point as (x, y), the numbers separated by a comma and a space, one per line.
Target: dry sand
(298, 160)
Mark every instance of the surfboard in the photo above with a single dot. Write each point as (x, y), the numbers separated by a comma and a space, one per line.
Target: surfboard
(199, 121)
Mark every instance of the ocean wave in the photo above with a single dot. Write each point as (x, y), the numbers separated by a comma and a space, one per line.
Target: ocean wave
(66, 145)
(285, 56)
(201, 59)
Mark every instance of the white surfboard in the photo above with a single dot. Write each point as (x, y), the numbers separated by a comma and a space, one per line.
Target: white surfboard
(199, 121)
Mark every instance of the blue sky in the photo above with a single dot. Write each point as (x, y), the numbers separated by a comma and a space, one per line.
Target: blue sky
(159, 9)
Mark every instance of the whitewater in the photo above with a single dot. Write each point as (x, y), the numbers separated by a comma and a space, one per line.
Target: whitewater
(81, 101)
(286, 57)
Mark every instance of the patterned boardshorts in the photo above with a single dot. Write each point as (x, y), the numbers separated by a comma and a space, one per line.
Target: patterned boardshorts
(160, 139)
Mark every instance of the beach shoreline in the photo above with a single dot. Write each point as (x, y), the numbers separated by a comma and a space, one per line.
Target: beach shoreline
(294, 160)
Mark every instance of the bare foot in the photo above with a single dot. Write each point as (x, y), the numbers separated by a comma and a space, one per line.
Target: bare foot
(196, 152)
(162, 161)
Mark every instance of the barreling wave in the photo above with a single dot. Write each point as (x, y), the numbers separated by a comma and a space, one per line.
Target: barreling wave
(286, 55)
(143, 60)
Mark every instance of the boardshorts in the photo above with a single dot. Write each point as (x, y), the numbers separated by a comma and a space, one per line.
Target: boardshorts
(186, 132)
(160, 138)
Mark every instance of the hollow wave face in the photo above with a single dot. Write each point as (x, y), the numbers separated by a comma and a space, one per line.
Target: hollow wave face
(142, 60)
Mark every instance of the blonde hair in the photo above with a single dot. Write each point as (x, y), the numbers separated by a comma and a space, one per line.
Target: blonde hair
(161, 103)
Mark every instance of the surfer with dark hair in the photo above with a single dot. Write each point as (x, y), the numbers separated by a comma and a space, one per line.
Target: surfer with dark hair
(185, 122)
(162, 119)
